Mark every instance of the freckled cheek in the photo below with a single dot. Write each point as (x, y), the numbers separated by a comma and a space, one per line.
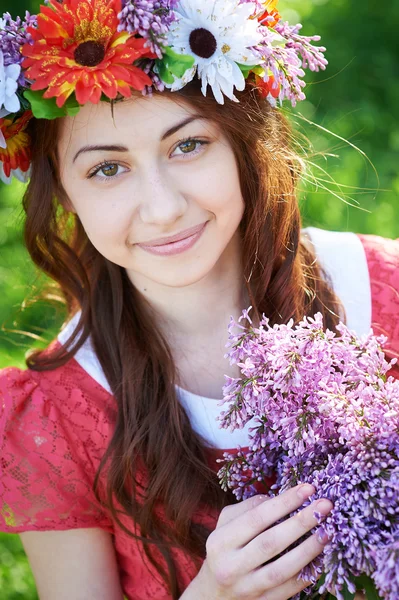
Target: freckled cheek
(222, 192)
(106, 227)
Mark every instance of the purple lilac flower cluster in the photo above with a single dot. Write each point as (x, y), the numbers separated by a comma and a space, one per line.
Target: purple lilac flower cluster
(387, 559)
(312, 56)
(285, 66)
(157, 83)
(286, 58)
(13, 35)
(286, 54)
(324, 411)
(150, 18)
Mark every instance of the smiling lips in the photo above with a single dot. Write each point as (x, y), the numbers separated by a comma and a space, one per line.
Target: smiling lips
(177, 243)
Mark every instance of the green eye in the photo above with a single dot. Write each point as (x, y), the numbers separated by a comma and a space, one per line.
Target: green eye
(107, 170)
(188, 146)
(110, 170)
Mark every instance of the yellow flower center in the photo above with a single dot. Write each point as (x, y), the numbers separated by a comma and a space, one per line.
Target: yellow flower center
(91, 31)
(92, 37)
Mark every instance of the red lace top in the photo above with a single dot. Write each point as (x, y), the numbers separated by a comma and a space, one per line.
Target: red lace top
(55, 426)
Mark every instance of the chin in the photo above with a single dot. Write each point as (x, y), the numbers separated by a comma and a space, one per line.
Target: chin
(184, 274)
(187, 276)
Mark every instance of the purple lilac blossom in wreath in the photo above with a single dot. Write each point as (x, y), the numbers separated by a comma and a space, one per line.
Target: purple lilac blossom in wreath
(149, 18)
(13, 35)
(223, 43)
(225, 39)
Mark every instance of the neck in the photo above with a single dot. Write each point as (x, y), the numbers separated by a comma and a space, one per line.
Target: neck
(203, 308)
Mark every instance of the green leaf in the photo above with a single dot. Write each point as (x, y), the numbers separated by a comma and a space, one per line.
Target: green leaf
(258, 70)
(179, 63)
(245, 69)
(25, 105)
(320, 581)
(163, 72)
(72, 107)
(173, 65)
(46, 108)
(315, 595)
(367, 584)
(347, 594)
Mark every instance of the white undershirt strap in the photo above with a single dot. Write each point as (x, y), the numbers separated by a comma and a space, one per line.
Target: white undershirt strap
(344, 259)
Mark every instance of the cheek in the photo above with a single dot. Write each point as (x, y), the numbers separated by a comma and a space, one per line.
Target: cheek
(226, 191)
(106, 223)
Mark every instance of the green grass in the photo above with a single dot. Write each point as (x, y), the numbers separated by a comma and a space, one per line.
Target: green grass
(356, 98)
(16, 578)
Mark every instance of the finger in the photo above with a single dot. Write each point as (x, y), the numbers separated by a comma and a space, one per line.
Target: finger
(287, 590)
(279, 572)
(232, 511)
(272, 542)
(252, 522)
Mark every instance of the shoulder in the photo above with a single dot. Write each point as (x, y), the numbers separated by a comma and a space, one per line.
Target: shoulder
(340, 248)
(382, 253)
(344, 261)
(54, 429)
(383, 265)
(66, 394)
(364, 271)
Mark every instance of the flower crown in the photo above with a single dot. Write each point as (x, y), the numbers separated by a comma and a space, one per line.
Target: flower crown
(79, 51)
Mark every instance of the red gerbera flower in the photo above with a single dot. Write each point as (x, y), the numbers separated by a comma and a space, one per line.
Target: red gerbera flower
(77, 48)
(267, 87)
(270, 17)
(15, 157)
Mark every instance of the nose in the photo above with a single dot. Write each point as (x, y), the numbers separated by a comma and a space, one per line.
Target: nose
(161, 200)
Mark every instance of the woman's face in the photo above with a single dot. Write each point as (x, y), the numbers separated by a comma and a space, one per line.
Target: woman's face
(152, 170)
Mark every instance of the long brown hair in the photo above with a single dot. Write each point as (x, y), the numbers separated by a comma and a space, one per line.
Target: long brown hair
(152, 430)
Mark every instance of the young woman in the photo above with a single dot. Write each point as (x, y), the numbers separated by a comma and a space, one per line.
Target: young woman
(159, 217)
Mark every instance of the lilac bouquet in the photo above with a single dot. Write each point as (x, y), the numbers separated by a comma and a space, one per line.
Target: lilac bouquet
(324, 412)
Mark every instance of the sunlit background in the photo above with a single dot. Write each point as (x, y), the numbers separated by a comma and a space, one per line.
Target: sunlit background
(356, 99)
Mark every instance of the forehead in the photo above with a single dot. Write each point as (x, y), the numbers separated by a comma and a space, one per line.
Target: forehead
(130, 121)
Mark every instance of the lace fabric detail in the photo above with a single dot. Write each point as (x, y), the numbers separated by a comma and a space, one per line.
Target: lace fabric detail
(56, 425)
(51, 439)
(383, 264)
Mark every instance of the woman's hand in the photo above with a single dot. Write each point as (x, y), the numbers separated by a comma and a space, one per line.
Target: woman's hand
(246, 538)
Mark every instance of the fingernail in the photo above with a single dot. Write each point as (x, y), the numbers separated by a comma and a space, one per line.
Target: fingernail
(261, 498)
(322, 536)
(323, 507)
(305, 490)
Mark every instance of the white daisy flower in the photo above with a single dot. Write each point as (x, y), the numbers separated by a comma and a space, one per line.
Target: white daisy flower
(4, 113)
(3, 143)
(218, 34)
(17, 173)
(9, 85)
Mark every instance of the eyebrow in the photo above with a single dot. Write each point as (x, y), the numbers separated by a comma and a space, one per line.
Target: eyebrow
(118, 148)
(98, 148)
(176, 128)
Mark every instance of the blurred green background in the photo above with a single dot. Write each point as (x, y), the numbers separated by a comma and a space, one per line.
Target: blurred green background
(356, 98)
